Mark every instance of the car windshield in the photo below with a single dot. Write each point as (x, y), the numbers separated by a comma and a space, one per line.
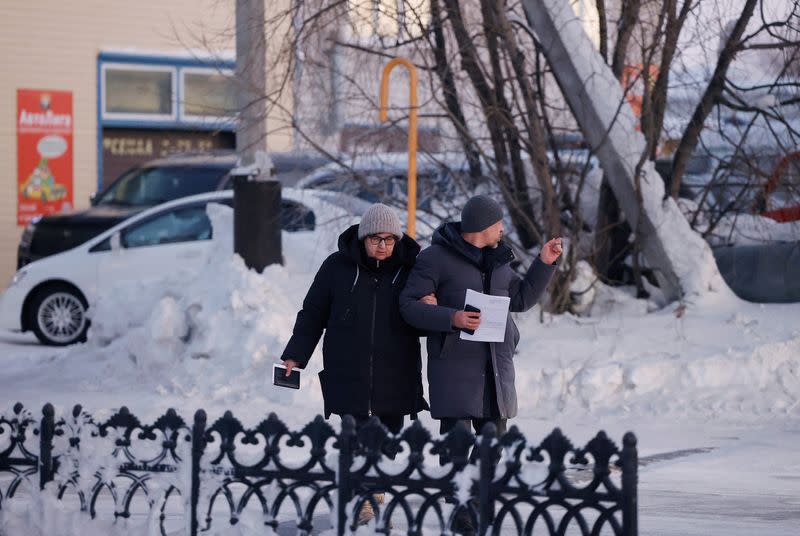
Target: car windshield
(151, 186)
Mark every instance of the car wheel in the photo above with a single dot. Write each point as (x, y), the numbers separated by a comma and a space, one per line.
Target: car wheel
(58, 316)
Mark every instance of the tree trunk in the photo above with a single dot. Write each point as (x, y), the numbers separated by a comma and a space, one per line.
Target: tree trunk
(611, 238)
(601, 14)
(517, 201)
(450, 92)
(659, 102)
(627, 22)
(536, 141)
(611, 244)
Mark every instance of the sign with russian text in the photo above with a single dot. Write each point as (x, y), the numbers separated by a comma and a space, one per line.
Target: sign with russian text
(125, 148)
(44, 153)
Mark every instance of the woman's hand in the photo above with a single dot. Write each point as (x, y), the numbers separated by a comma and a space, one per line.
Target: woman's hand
(290, 364)
(429, 299)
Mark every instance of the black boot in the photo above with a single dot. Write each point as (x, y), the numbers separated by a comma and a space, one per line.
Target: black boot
(462, 522)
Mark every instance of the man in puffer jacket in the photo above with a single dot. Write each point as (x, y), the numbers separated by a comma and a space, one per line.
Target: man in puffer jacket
(371, 356)
(472, 381)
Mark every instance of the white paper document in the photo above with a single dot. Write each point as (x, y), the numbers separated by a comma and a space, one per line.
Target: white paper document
(494, 313)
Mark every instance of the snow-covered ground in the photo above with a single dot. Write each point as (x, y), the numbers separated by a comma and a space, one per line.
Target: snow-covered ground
(710, 387)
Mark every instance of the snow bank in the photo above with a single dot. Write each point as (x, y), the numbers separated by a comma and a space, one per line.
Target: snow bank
(750, 229)
(217, 336)
(212, 336)
(211, 341)
(718, 357)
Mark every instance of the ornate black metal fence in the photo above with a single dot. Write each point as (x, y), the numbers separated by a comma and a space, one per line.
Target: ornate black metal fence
(315, 478)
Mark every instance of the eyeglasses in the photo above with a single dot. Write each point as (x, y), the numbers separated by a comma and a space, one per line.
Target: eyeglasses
(375, 240)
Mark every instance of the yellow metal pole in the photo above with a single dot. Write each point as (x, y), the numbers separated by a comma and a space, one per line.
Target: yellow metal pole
(412, 133)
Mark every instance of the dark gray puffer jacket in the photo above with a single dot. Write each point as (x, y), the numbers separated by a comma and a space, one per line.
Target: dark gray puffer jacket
(457, 368)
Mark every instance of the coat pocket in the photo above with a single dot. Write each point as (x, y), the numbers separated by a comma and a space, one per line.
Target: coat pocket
(514, 332)
(435, 344)
(450, 340)
(343, 315)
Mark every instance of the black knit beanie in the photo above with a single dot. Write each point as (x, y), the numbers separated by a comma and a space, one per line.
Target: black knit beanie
(479, 213)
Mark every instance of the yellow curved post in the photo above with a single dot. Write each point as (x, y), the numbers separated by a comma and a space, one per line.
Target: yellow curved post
(412, 133)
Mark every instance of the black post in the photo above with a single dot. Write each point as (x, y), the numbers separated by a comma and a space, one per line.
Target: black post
(198, 447)
(257, 221)
(630, 484)
(486, 457)
(344, 485)
(47, 431)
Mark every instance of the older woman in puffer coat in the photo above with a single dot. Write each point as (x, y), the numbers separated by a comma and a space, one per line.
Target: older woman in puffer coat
(371, 356)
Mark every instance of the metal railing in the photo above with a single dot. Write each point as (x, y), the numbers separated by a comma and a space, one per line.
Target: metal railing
(316, 478)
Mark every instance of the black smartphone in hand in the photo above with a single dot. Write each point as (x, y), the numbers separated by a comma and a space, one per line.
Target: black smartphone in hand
(279, 377)
(470, 309)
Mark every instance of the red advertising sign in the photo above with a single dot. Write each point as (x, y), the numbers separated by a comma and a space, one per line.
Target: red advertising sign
(44, 153)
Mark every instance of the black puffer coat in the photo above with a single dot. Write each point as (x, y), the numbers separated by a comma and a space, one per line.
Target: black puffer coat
(371, 357)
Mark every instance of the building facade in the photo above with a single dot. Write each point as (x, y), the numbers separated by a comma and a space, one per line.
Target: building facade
(90, 89)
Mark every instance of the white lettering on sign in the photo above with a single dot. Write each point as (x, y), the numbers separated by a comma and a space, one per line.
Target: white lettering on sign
(44, 119)
(128, 146)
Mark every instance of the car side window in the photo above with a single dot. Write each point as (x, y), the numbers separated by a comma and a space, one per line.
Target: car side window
(105, 245)
(323, 182)
(296, 216)
(181, 225)
(228, 182)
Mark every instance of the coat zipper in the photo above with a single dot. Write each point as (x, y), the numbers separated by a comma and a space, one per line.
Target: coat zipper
(372, 343)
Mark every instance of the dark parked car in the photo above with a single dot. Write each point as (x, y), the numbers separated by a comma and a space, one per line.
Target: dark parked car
(143, 187)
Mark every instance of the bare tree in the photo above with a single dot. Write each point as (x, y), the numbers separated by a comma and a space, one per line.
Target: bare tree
(710, 97)
(744, 127)
(491, 97)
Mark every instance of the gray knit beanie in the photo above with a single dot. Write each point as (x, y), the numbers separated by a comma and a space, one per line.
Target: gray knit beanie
(479, 213)
(379, 219)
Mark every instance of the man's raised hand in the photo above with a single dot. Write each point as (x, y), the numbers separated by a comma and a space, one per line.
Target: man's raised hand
(551, 251)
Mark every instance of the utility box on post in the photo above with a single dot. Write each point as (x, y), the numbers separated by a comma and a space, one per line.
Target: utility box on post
(256, 218)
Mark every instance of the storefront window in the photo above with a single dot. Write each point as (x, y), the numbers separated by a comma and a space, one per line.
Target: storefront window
(139, 91)
(153, 105)
(208, 94)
